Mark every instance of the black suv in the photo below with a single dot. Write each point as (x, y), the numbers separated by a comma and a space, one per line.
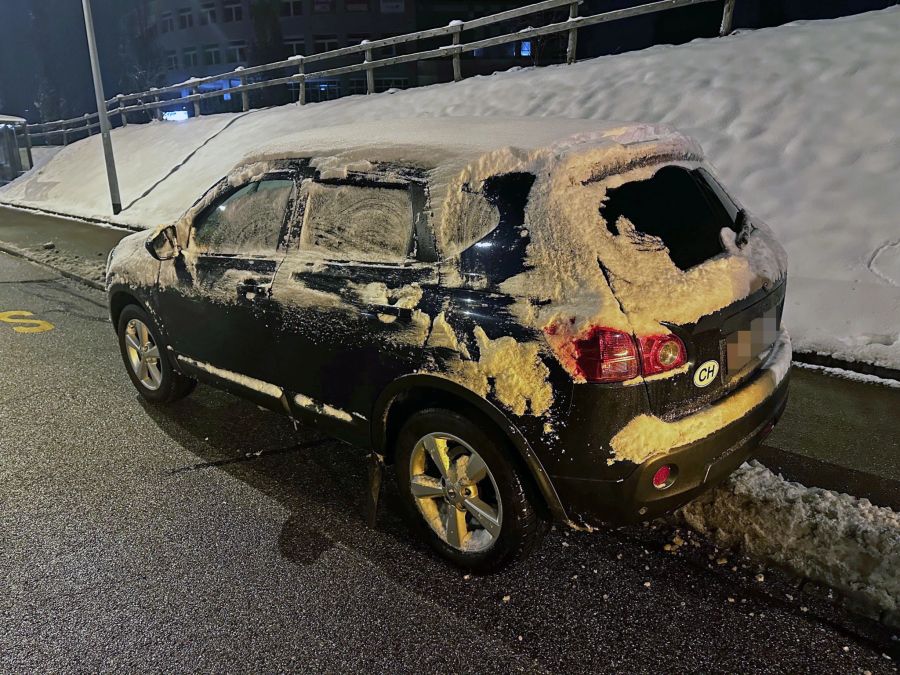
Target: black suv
(581, 327)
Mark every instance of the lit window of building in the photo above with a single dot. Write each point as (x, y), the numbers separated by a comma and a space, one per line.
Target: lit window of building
(525, 48)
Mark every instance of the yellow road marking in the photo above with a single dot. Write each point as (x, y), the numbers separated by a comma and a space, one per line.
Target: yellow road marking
(27, 325)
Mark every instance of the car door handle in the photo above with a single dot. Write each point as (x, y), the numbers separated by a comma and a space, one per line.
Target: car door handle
(253, 288)
(402, 313)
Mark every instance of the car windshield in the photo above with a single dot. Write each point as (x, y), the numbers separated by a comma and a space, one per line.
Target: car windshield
(684, 209)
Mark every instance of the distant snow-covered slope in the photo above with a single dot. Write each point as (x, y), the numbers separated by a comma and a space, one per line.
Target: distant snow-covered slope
(801, 121)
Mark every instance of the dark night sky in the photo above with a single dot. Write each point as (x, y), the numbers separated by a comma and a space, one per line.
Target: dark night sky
(63, 57)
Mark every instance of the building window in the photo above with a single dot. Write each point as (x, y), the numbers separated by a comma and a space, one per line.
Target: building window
(236, 52)
(211, 55)
(171, 61)
(185, 19)
(385, 83)
(326, 90)
(393, 6)
(357, 87)
(166, 22)
(357, 5)
(207, 13)
(323, 6)
(232, 10)
(324, 43)
(356, 39)
(189, 58)
(296, 46)
(291, 7)
(525, 48)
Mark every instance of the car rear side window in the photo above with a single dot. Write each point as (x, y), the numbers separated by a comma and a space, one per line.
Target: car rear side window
(358, 222)
(249, 221)
(677, 206)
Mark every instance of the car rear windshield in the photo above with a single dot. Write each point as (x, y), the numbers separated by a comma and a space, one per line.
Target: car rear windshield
(685, 209)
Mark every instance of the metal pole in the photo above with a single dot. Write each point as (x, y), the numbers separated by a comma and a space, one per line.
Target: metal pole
(111, 175)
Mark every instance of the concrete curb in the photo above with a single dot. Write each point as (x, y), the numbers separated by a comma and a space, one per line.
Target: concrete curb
(817, 359)
(69, 216)
(20, 253)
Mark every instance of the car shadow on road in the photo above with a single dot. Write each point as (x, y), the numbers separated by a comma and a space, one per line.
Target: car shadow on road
(578, 585)
(322, 481)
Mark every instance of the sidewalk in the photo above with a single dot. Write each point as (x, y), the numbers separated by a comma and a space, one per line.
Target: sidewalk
(841, 435)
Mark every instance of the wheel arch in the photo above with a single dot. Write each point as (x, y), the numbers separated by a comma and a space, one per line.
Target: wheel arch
(411, 393)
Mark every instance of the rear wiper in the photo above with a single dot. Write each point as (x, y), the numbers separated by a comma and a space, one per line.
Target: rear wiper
(743, 227)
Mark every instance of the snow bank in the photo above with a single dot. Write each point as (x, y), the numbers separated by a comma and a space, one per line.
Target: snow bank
(800, 121)
(840, 540)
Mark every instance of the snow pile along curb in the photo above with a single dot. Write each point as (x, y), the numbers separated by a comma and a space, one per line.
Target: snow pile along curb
(845, 542)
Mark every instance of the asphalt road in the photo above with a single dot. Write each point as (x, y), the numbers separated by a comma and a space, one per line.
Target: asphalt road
(211, 536)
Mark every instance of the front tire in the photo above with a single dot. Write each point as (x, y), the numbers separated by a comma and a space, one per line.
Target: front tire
(148, 366)
(464, 493)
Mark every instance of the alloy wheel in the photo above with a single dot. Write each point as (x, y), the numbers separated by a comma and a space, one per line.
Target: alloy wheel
(143, 354)
(455, 492)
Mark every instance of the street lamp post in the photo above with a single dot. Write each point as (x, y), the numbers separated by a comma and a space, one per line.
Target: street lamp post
(101, 111)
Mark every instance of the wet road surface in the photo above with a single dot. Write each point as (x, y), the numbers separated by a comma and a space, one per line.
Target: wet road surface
(210, 535)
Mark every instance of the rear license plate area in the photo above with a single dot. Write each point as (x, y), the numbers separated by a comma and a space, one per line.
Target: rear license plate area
(746, 346)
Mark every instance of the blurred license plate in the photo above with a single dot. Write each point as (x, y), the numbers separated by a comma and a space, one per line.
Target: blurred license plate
(746, 345)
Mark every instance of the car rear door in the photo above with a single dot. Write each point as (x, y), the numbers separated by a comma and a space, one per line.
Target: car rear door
(219, 312)
(352, 289)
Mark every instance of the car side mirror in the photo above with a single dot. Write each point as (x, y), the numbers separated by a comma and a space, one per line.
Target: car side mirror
(164, 246)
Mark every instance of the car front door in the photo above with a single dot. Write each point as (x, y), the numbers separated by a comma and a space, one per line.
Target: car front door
(352, 290)
(215, 302)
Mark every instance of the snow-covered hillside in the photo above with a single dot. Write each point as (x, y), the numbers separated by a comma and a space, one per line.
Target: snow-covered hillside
(801, 121)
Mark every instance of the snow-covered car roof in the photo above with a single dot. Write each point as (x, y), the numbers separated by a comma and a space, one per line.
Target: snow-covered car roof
(435, 141)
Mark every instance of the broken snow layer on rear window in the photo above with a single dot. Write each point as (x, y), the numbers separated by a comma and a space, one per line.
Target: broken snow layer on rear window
(354, 222)
(646, 436)
(575, 257)
(843, 541)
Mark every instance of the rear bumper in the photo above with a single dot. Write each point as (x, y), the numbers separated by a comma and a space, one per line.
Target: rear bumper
(700, 465)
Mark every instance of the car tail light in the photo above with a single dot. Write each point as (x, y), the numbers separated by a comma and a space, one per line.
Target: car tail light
(660, 353)
(606, 355)
(609, 355)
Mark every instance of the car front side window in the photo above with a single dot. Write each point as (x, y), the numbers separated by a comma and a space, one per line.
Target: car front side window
(249, 221)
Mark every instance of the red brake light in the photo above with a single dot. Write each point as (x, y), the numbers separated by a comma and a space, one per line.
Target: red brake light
(610, 355)
(660, 353)
(606, 355)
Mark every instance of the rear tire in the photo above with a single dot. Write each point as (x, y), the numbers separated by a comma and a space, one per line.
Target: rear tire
(144, 354)
(464, 493)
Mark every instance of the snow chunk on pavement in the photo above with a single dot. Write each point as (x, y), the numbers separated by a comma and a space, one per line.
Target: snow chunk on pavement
(845, 542)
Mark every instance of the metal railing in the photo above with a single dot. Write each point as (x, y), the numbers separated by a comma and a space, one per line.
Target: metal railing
(154, 100)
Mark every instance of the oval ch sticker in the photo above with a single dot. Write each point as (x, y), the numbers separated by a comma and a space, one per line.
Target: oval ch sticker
(706, 373)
